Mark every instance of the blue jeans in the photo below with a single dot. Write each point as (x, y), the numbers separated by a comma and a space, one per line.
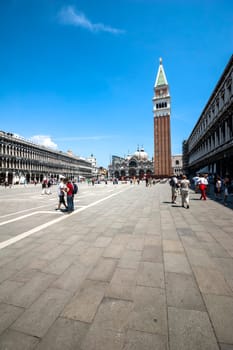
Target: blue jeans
(70, 203)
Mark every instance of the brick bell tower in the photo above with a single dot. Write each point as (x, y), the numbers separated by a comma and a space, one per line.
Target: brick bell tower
(162, 132)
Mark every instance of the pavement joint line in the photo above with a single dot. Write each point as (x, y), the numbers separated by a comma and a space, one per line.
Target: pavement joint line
(54, 221)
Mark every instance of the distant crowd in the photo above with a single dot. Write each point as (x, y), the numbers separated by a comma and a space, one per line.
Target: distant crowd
(201, 183)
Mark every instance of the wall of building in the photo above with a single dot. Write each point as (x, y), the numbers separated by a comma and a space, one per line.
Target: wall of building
(209, 148)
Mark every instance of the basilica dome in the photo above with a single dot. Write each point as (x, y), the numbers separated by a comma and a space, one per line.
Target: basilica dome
(141, 155)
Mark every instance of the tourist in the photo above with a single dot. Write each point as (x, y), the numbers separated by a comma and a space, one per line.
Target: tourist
(217, 187)
(203, 183)
(184, 189)
(49, 184)
(174, 187)
(195, 181)
(44, 185)
(226, 183)
(61, 194)
(70, 196)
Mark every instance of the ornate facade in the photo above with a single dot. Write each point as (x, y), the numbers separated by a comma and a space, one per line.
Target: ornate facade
(177, 164)
(162, 133)
(137, 165)
(209, 148)
(22, 160)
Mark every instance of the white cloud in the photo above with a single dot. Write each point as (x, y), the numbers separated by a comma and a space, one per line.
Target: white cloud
(68, 15)
(44, 140)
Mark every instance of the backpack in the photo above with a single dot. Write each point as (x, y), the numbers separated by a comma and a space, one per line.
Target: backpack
(172, 182)
(75, 190)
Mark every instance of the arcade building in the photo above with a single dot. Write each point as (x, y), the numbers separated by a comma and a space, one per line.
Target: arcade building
(22, 161)
(209, 148)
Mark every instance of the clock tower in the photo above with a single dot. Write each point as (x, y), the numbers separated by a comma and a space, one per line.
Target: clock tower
(162, 132)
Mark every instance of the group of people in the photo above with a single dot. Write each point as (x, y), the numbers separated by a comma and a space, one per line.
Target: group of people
(201, 184)
(183, 186)
(46, 186)
(66, 191)
(222, 186)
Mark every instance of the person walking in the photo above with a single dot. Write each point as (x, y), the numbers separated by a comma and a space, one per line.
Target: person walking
(195, 181)
(226, 182)
(174, 187)
(61, 194)
(217, 187)
(203, 183)
(49, 184)
(44, 186)
(70, 196)
(184, 190)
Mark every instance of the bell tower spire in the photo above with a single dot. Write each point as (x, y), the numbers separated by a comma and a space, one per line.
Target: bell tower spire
(162, 134)
(161, 76)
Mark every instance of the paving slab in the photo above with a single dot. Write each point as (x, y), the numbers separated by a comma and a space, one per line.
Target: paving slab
(152, 254)
(189, 329)
(103, 339)
(84, 305)
(176, 262)
(130, 259)
(199, 257)
(149, 312)
(72, 278)
(183, 292)
(122, 284)
(136, 243)
(211, 281)
(173, 246)
(65, 334)
(113, 315)
(12, 340)
(226, 346)
(37, 319)
(6, 273)
(8, 314)
(132, 272)
(104, 269)
(150, 274)
(7, 288)
(220, 309)
(25, 295)
(136, 340)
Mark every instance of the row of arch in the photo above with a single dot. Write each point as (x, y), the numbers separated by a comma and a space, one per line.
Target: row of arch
(132, 173)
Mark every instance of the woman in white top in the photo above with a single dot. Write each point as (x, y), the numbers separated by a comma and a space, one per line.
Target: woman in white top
(184, 190)
(203, 183)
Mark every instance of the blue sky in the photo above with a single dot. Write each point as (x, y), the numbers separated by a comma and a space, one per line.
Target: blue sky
(79, 75)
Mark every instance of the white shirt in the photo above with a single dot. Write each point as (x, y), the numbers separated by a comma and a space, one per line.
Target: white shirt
(203, 181)
(61, 188)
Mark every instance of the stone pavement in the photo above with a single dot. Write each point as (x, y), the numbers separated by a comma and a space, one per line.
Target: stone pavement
(133, 272)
